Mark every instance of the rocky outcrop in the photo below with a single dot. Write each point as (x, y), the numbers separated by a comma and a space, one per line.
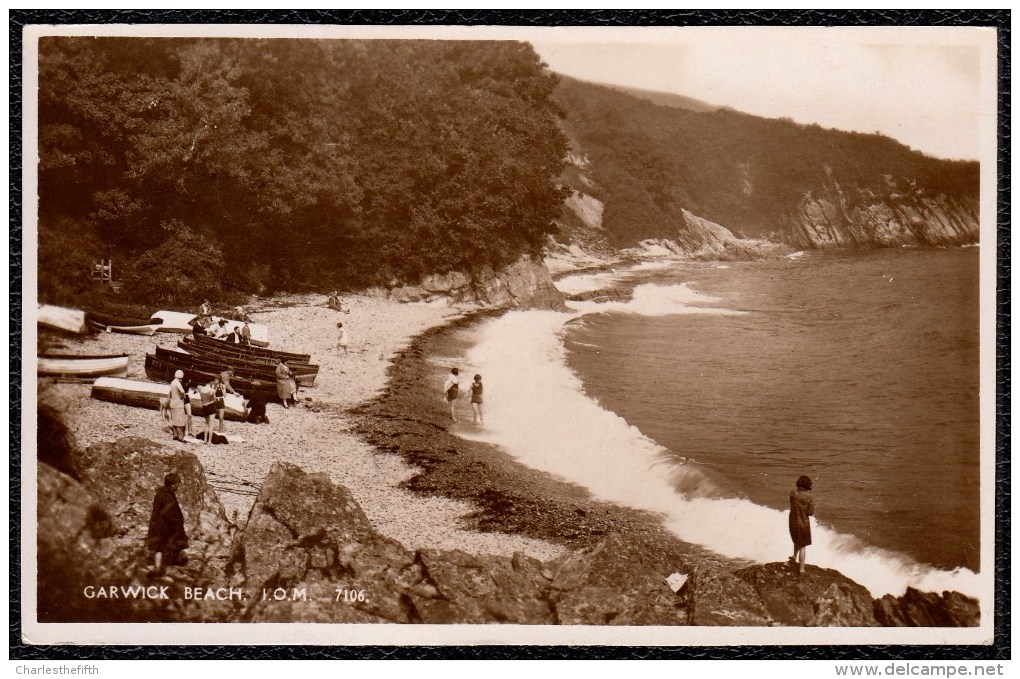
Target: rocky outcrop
(525, 284)
(927, 609)
(820, 597)
(93, 562)
(308, 553)
(900, 213)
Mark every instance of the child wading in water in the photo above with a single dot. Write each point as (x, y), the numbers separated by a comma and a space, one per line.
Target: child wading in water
(451, 389)
(802, 507)
(476, 399)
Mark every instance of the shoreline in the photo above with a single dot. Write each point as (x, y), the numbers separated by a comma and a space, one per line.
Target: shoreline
(319, 435)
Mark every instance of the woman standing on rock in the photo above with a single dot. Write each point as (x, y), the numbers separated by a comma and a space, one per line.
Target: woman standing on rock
(166, 537)
(284, 383)
(802, 508)
(178, 418)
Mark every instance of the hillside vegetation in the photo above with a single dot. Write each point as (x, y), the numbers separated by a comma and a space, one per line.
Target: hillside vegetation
(649, 162)
(207, 166)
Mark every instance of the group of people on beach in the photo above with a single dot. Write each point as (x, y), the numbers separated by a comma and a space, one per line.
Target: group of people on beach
(180, 407)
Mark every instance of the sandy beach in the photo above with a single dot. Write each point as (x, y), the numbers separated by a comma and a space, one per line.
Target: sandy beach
(317, 435)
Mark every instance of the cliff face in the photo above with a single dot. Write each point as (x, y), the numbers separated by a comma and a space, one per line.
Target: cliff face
(836, 215)
(307, 553)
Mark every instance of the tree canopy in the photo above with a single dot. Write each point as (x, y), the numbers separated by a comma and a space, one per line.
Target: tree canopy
(294, 163)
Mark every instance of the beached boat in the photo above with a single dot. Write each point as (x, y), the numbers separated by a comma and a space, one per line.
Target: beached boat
(242, 359)
(260, 352)
(62, 319)
(174, 321)
(72, 365)
(163, 371)
(180, 322)
(112, 323)
(144, 394)
(304, 374)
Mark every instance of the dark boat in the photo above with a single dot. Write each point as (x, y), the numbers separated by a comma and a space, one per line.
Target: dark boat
(234, 358)
(163, 371)
(218, 365)
(126, 324)
(260, 352)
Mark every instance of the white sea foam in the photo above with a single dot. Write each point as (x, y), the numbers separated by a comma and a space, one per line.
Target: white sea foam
(537, 411)
(657, 300)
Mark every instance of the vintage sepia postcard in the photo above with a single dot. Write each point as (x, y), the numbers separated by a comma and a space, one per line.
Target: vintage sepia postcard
(632, 336)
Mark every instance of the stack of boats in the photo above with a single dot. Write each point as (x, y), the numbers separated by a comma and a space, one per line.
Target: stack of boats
(203, 358)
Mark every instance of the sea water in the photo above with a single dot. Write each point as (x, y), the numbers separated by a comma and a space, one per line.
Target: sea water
(706, 394)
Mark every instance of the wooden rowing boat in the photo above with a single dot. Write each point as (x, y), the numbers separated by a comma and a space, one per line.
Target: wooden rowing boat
(144, 394)
(74, 365)
(260, 352)
(163, 371)
(111, 323)
(242, 359)
(304, 374)
(62, 319)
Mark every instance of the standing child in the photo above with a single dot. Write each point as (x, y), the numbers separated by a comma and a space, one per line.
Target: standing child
(802, 508)
(451, 389)
(343, 340)
(476, 400)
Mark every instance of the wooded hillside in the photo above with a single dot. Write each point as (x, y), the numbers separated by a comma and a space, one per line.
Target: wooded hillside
(750, 174)
(205, 166)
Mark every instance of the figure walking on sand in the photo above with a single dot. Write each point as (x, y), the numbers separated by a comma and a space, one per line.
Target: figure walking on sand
(476, 400)
(344, 339)
(451, 389)
(802, 508)
(166, 537)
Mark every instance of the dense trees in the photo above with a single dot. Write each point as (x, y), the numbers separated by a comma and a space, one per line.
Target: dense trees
(284, 163)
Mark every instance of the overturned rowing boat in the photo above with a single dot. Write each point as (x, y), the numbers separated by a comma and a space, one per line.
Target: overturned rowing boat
(75, 365)
(61, 318)
(144, 394)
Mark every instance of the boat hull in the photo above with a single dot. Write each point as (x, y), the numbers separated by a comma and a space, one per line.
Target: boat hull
(132, 326)
(163, 371)
(259, 352)
(217, 365)
(63, 319)
(143, 394)
(82, 366)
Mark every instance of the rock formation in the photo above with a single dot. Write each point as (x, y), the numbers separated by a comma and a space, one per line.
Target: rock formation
(525, 284)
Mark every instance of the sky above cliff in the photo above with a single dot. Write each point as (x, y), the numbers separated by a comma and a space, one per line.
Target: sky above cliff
(921, 86)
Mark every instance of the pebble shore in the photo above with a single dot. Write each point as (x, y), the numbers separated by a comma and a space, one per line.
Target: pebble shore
(318, 433)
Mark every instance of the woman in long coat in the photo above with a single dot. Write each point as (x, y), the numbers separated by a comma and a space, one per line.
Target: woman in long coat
(284, 383)
(802, 508)
(178, 417)
(166, 537)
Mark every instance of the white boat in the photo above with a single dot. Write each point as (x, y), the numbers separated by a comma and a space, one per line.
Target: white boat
(144, 394)
(62, 318)
(174, 321)
(71, 365)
